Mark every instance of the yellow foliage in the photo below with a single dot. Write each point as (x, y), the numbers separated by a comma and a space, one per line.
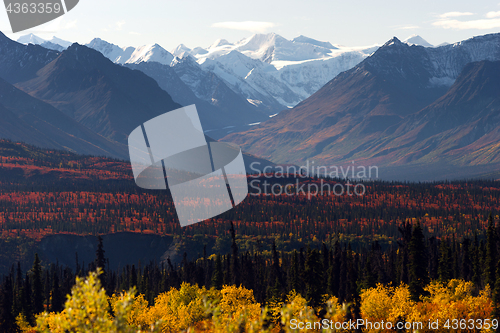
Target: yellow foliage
(454, 300)
(87, 310)
(192, 309)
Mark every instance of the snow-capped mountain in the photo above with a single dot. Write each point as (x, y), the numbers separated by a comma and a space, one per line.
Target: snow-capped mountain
(54, 43)
(151, 53)
(272, 47)
(417, 40)
(111, 51)
(131, 55)
(270, 65)
(30, 39)
(267, 70)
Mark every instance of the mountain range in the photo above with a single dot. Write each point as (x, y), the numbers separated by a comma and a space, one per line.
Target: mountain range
(268, 72)
(79, 100)
(418, 112)
(406, 108)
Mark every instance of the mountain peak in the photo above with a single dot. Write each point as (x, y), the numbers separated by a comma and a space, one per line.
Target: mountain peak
(150, 52)
(308, 40)
(219, 42)
(30, 39)
(393, 41)
(417, 40)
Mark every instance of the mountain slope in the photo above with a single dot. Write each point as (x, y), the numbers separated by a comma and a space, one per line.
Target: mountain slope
(226, 113)
(354, 107)
(462, 127)
(107, 98)
(20, 62)
(27, 119)
(357, 115)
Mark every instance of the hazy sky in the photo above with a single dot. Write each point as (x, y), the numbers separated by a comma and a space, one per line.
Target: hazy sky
(200, 22)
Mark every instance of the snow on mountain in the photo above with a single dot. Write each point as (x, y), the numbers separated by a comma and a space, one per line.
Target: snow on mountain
(305, 78)
(180, 50)
(434, 66)
(243, 74)
(59, 41)
(304, 39)
(111, 51)
(54, 43)
(220, 42)
(417, 40)
(150, 53)
(131, 55)
(265, 69)
(30, 39)
(271, 66)
(443, 44)
(449, 60)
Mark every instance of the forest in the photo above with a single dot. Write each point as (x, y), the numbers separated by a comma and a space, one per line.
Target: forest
(417, 280)
(402, 252)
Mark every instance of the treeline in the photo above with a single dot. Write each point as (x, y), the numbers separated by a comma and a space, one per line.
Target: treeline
(333, 269)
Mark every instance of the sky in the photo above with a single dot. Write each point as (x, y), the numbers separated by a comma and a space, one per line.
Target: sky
(201, 22)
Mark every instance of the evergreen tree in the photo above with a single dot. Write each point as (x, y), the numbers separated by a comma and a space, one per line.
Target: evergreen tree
(417, 267)
(444, 269)
(7, 319)
(466, 268)
(17, 307)
(433, 258)
(217, 277)
(312, 278)
(133, 277)
(491, 254)
(100, 261)
(496, 294)
(56, 301)
(369, 277)
(293, 273)
(477, 265)
(37, 286)
(235, 265)
(26, 302)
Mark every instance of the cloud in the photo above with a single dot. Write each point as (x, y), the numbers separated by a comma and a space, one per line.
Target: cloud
(408, 27)
(448, 21)
(482, 24)
(134, 33)
(252, 26)
(455, 14)
(119, 25)
(493, 14)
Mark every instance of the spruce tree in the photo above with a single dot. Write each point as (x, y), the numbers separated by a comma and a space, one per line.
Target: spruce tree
(26, 301)
(496, 294)
(235, 264)
(7, 319)
(466, 267)
(217, 277)
(312, 278)
(491, 254)
(444, 269)
(293, 274)
(56, 301)
(37, 286)
(100, 261)
(417, 267)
